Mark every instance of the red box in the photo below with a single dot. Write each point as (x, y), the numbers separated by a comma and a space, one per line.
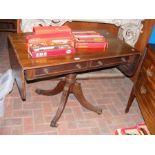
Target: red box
(51, 29)
(92, 45)
(88, 36)
(90, 39)
(53, 52)
(50, 39)
(140, 129)
(85, 33)
(39, 38)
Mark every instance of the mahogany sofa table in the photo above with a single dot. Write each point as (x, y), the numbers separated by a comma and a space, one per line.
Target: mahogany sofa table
(118, 54)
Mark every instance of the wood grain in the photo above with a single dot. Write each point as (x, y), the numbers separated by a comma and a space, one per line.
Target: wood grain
(144, 89)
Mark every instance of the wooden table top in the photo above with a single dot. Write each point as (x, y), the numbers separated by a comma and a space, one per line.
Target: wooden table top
(115, 48)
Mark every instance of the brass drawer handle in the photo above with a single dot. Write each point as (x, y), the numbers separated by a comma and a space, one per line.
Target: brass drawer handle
(46, 70)
(149, 73)
(142, 90)
(100, 62)
(78, 66)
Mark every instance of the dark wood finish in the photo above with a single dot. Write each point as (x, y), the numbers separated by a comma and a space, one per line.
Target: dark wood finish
(116, 55)
(144, 89)
(9, 25)
(130, 69)
(116, 52)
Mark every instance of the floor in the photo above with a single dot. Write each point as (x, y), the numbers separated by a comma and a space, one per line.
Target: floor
(33, 116)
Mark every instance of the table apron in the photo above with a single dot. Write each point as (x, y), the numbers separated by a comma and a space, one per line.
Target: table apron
(51, 71)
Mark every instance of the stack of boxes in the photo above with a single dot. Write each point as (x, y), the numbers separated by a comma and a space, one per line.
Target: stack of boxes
(89, 39)
(50, 41)
(60, 40)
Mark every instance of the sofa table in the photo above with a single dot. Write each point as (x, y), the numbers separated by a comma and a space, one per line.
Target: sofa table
(118, 54)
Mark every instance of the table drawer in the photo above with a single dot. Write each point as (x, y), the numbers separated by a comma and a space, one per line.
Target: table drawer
(148, 70)
(149, 75)
(55, 70)
(109, 62)
(145, 90)
(147, 112)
